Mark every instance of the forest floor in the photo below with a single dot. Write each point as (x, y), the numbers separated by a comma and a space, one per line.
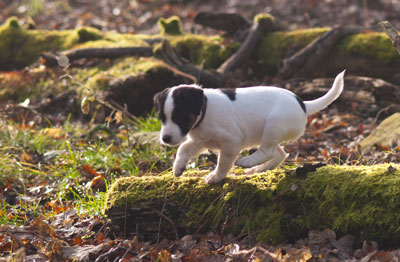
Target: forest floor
(53, 179)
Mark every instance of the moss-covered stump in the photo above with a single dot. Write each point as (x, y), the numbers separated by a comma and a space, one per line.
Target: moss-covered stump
(274, 207)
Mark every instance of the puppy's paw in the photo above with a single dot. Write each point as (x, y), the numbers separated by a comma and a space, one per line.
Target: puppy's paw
(213, 178)
(245, 162)
(178, 170)
(251, 171)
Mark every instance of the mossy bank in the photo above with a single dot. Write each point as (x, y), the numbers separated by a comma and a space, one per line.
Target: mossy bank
(274, 207)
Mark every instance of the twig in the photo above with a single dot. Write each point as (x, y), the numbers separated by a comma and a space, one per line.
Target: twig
(380, 112)
(169, 220)
(114, 251)
(245, 50)
(159, 223)
(392, 33)
(125, 113)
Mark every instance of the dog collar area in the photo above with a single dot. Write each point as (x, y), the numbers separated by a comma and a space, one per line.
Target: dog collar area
(203, 112)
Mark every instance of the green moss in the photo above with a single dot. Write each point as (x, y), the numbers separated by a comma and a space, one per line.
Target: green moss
(275, 46)
(370, 44)
(275, 206)
(89, 34)
(264, 19)
(20, 47)
(121, 69)
(13, 23)
(170, 26)
(210, 51)
(113, 39)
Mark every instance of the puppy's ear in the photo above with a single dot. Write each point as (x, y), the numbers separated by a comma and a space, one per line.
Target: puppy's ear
(159, 98)
(190, 98)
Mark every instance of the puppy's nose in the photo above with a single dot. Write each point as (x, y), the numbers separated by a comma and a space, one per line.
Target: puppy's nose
(166, 139)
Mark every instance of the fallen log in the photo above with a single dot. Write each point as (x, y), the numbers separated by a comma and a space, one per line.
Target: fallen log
(228, 22)
(105, 52)
(305, 60)
(276, 206)
(358, 89)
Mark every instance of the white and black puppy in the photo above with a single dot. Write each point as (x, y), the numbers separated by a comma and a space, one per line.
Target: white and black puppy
(230, 120)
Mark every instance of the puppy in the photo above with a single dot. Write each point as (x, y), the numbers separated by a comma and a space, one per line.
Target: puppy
(230, 120)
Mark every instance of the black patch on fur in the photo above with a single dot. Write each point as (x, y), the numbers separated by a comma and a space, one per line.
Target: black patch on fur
(303, 106)
(188, 102)
(159, 101)
(230, 92)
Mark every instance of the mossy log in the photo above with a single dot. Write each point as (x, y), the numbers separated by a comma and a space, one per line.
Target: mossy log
(274, 207)
(358, 53)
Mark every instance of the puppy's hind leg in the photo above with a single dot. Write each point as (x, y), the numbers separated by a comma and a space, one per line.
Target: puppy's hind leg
(279, 157)
(271, 138)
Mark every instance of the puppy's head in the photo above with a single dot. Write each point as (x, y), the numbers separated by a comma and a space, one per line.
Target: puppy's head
(178, 108)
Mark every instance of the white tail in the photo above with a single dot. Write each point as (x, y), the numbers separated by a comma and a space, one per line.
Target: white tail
(318, 104)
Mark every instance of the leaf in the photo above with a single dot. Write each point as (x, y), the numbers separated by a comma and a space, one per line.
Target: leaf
(85, 106)
(165, 256)
(26, 158)
(88, 171)
(77, 241)
(98, 183)
(186, 243)
(100, 238)
(81, 253)
(56, 206)
(118, 117)
(54, 132)
(41, 226)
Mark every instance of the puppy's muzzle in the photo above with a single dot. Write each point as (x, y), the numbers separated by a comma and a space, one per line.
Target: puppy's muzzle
(167, 139)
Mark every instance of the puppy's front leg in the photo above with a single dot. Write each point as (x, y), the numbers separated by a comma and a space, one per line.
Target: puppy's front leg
(225, 162)
(186, 151)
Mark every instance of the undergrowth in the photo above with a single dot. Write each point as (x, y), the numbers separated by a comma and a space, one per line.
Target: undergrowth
(44, 171)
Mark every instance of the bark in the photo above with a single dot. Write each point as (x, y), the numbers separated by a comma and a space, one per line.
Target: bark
(304, 61)
(172, 58)
(106, 52)
(246, 49)
(357, 89)
(392, 33)
(228, 22)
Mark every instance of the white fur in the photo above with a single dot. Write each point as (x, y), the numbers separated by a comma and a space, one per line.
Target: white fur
(259, 116)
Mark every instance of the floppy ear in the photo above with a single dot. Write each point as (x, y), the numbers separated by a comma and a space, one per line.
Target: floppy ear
(190, 97)
(159, 98)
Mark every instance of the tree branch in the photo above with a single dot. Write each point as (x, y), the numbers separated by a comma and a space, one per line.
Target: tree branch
(106, 52)
(305, 60)
(392, 33)
(172, 58)
(247, 48)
